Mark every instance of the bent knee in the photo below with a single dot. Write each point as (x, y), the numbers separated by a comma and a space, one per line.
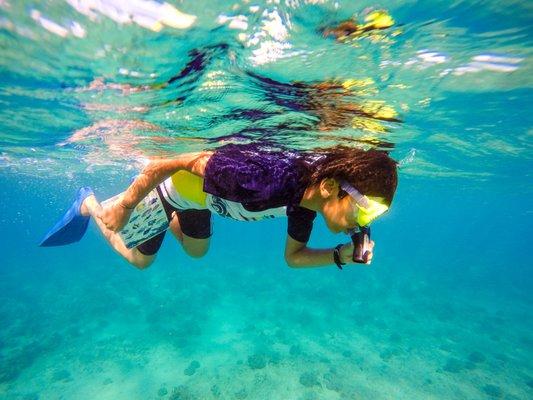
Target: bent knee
(196, 252)
(141, 261)
(141, 264)
(195, 248)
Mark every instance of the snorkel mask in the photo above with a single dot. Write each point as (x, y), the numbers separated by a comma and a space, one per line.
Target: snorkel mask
(368, 209)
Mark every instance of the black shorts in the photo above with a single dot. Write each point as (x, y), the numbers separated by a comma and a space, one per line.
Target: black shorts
(193, 223)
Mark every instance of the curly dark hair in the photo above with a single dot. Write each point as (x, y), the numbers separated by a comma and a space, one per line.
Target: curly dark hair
(372, 172)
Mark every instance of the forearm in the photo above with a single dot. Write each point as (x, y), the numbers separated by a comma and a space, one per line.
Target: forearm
(310, 258)
(156, 172)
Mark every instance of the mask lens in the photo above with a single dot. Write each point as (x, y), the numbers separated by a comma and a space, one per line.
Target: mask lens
(368, 208)
(374, 210)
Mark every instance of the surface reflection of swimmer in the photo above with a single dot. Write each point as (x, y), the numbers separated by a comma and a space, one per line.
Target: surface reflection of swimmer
(185, 81)
(121, 136)
(331, 103)
(347, 30)
(349, 187)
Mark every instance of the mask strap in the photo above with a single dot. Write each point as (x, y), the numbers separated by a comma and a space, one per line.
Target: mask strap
(360, 199)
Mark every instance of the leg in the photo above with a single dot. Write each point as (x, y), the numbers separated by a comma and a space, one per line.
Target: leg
(192, 228)
(91, 207)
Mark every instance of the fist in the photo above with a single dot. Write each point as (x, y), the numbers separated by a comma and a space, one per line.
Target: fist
(346, 253)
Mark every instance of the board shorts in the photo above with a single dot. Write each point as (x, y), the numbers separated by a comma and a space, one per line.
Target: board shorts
(193, 223)
(183, 193)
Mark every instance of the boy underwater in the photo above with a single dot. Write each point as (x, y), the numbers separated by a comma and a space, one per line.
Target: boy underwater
(349, 187)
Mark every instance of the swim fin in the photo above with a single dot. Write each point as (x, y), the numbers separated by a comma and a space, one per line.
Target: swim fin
(72, 226)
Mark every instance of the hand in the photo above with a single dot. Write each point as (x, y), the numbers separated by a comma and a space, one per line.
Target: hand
(115, 216)
(346, 253)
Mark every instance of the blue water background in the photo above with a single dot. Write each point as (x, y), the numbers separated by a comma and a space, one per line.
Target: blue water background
(444, 312)
(451, 282)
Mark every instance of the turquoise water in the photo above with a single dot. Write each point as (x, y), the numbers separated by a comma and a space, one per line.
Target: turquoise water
(445, 310)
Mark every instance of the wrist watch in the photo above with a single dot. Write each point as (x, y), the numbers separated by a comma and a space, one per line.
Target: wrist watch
(337, 256)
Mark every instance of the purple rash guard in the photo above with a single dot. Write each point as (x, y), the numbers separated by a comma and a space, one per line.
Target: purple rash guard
(261, 179)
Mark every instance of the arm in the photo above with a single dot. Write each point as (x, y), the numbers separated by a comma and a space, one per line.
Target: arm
(298, 255)
(159, 170)
(116, 215)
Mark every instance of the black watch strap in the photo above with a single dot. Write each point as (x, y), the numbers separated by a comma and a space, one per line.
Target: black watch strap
(337, 256)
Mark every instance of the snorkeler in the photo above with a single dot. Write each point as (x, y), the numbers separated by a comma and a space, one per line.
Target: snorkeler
(349, 187)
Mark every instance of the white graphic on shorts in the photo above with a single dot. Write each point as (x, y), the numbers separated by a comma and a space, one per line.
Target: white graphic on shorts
(146, 221)
(234, 210)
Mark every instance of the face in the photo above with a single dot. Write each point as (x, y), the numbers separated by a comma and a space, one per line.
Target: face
(339, 214)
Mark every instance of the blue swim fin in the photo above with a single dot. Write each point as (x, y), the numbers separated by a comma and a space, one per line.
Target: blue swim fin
(72, 226)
